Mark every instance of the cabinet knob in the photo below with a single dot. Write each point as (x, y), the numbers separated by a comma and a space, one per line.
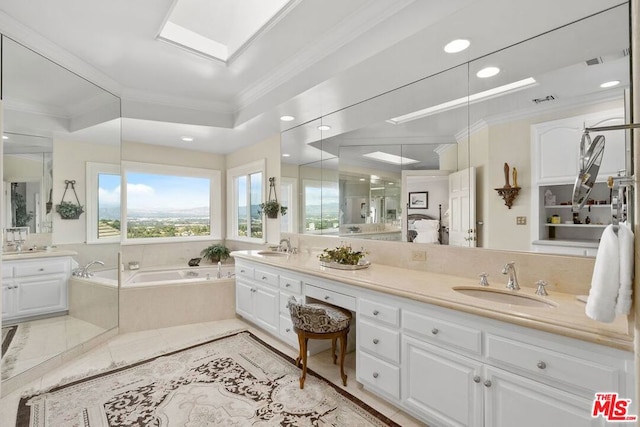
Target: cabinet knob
(376, 340)
(541, 365)
(376, 312)
(264, 277)
(253, 290)
(375, 375)
(487, 383)
(434, 331)
(326, 298)
(288, 285)
(476, 379)
(288, 330)
(41, 269)
(241, 271)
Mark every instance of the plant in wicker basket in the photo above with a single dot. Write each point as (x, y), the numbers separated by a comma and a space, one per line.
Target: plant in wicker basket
(69, 210)
(343, 254)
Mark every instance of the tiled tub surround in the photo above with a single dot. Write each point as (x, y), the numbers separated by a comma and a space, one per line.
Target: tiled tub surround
(419, 342)
(162, 300)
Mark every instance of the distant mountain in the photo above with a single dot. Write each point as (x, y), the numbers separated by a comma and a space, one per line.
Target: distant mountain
(113, 212)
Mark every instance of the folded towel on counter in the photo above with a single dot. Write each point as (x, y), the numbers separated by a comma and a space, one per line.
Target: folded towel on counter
(625, 246)
(605, 282)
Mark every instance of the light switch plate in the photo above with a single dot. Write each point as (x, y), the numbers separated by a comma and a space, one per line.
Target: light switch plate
(521, 220)
(418, 255)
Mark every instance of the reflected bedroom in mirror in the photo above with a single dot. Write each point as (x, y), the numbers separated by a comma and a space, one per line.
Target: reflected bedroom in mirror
(54, 123)
(450, 134)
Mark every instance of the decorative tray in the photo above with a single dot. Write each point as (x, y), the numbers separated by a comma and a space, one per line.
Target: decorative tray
(338, 266)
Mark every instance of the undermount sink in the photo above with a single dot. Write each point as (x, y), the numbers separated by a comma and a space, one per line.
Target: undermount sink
(504, 297)
(272, 253)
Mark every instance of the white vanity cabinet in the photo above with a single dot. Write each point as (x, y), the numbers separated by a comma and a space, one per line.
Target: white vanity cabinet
(35, 287)
(257, 295)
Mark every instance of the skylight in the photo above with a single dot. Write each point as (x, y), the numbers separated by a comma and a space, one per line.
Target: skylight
(381, 156)
(219, 29)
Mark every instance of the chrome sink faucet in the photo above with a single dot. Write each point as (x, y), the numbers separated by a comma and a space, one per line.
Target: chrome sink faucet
(288, 242)
(510, 270)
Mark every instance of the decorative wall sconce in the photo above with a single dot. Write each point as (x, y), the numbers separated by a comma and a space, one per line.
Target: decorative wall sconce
(508, 192)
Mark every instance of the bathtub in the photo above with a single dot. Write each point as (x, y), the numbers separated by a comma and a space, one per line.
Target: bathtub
(160, 298)
(175, 276)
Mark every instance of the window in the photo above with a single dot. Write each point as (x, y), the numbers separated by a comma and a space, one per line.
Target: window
(247, 193)
(170, 203)
(103, 203)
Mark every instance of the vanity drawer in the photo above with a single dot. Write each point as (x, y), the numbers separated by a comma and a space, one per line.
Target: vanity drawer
(331, 297)
(244, 271)
(265, 277)
(291, 285)
(442, 332)
(379, 312)
(379, 341)
(546, 363)
(39, 268)
(380, 374)
(284, 299)
(286, 330)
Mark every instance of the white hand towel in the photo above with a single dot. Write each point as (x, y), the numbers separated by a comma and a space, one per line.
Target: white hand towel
(625, 245)
(605, 281)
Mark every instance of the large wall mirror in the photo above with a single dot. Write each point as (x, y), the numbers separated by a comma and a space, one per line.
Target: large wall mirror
(422, 163)
(54, 122)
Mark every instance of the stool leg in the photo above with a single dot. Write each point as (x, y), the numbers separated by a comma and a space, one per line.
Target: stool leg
(305, 340)
(343, 350)
(300, 345)
(333, 350)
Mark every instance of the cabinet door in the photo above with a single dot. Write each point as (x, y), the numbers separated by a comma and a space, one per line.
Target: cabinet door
(512, 400)
(442, 385)
(244, 299)
(36, 295)
(559, 145)
(265, 308)
(8, 298)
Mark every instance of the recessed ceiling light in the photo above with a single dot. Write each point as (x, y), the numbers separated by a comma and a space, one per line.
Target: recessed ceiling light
(456, 46)
(5, 137)
(391, 183)
(612, 83)
(362, 179)
(324, 127)
(187, 139)
(488, 72)
(286, 155)
(287, 118)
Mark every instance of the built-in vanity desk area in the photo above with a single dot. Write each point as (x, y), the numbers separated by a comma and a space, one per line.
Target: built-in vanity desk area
(448, 358)
(35, 283)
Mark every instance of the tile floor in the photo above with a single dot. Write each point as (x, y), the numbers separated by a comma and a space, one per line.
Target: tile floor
(142, 345)
(40, 340)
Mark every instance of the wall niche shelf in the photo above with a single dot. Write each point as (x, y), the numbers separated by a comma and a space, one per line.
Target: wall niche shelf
(578, 225)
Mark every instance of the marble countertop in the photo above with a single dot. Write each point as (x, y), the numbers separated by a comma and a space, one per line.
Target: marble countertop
(566, 317)
(28, 254)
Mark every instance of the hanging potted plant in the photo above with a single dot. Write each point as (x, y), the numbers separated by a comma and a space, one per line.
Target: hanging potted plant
(272, 207)
(69, 210)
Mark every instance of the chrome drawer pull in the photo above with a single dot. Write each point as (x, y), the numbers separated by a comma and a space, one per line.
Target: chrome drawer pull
(376, 312)
(476, 379)
(264, 277)
(434, 331)
(541, 365)
(241, 271)
(376, 340)
(287, 285)
(326, 298)
(288, 330)
(375, 375)
(41, 269)
(487, 383)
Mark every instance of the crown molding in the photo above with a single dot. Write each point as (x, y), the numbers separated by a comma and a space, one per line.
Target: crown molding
(359, 22)
(42, 46)
(135, 95)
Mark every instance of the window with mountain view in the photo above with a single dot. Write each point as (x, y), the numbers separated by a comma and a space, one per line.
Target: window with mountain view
(246, 195)
(171, 203)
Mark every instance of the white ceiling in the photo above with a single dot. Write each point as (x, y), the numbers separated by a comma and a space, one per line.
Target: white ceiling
(317, 58)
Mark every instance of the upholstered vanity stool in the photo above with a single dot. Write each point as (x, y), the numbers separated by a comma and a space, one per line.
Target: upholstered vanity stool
(319, 321)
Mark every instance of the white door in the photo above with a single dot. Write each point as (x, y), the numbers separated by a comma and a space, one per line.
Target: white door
(511, 400)
(442, 385)
(462, 208)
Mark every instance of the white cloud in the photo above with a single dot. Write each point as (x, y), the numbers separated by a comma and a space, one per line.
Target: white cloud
(109, 197)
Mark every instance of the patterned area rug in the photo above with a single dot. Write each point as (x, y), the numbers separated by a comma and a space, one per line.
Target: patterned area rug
(232, 381)
(7, 335)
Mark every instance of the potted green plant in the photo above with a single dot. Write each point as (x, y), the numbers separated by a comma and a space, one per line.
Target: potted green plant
(69, 210)
(271, 209)
(216, 252)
